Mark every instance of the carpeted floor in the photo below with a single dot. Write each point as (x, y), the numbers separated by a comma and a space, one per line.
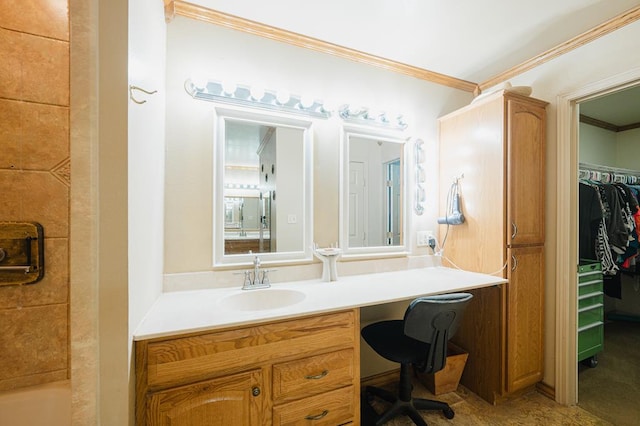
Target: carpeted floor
(611, 390)
(470, 410)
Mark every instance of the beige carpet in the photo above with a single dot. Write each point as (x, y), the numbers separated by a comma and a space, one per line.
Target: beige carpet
(611, 390)
(470, 410)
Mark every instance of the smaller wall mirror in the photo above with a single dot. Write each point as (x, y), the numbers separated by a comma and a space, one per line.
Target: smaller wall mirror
(262, 188)
(373, 217)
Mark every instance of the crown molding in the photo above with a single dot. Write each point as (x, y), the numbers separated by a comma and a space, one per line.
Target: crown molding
(606, 125)
(605, 28)
(190, 10)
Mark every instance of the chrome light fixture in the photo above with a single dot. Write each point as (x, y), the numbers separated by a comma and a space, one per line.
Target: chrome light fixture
(255, 97)
(362, 115)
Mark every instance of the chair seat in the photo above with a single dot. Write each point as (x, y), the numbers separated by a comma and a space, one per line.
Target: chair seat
(387, 338)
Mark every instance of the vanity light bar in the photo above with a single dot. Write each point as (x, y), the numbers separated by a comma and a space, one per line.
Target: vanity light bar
(281, 101)
(241, 186)
(361, 115)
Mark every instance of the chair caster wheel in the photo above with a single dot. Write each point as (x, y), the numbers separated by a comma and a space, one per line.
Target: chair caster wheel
(448, 413)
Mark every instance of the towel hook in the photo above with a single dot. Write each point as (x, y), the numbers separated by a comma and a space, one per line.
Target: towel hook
(132, 88)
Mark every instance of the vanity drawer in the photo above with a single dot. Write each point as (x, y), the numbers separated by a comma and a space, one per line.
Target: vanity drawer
(312, 375)
(187, 359)
(330, 409)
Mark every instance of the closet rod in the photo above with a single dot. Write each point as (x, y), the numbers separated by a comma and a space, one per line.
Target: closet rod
(601, 168)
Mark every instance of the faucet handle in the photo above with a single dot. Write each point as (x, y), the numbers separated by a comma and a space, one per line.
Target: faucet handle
(247, 278)
(265, 277)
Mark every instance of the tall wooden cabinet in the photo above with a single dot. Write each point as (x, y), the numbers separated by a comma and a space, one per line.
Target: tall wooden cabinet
(496, 146)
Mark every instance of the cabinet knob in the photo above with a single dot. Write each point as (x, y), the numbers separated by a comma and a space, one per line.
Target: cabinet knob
(317, 416)
(255, 391)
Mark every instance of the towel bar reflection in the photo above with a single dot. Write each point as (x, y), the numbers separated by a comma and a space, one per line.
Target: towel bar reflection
(25, 268)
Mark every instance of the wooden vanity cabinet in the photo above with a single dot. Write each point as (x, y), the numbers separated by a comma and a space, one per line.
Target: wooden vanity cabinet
(291, 372)
(497, 145)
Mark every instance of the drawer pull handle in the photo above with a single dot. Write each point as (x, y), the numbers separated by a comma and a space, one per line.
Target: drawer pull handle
(317, 376)
(515, 263)
(255, 391)
(317, 416)
(515, 230)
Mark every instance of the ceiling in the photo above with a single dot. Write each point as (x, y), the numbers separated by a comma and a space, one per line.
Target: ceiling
(619, 109)
(467, 39)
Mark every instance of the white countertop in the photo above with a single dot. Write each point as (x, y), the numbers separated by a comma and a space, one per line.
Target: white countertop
(199, 310)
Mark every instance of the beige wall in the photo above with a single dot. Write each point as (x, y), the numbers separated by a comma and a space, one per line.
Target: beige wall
(35, 180)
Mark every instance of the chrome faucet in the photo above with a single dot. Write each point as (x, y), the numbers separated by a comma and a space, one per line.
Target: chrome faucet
(257, 279)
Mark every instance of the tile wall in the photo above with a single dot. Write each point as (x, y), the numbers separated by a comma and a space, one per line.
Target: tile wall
(34, 185)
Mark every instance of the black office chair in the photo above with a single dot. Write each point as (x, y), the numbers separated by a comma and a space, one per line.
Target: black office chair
(420, 339)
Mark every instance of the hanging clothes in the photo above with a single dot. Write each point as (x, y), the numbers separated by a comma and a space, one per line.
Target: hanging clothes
(593, 236)
(609, 228)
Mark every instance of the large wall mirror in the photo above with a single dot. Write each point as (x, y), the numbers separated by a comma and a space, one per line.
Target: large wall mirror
(262, 188)
(373, 193)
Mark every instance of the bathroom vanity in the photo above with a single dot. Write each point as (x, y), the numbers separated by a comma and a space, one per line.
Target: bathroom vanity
(285, 355)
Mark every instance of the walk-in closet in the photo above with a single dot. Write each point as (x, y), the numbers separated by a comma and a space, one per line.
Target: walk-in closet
(608, 323)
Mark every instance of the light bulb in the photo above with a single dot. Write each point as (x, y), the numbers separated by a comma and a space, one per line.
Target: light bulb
(282, 97)
(199, 82)
(229, 87)
(257, 93)
(306, 101)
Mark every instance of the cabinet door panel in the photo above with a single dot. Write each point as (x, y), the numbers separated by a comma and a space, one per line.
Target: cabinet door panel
(226, 401)
(525, 314)
(525, 173)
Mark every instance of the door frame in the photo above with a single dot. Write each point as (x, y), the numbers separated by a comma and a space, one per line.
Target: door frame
(566, 310)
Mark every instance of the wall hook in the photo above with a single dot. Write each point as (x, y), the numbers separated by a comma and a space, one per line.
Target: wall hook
(132, 88)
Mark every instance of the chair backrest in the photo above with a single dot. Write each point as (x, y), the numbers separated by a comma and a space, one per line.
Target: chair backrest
(434, 320)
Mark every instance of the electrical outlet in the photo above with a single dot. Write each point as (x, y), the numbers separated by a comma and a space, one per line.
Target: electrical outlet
(423, 238)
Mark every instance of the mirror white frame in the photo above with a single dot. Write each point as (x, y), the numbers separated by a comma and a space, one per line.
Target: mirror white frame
(374, 134)
(221, 114)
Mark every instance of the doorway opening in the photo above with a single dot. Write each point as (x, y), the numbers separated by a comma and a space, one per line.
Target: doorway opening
(608, 241)
(566, 225)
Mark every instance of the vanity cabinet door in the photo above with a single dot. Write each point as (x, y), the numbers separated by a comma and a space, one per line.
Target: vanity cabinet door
(525, 317)
(235, 400)
(525, 172)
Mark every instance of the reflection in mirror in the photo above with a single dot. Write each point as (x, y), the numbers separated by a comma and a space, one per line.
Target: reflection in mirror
(373, 213)
(262, 202)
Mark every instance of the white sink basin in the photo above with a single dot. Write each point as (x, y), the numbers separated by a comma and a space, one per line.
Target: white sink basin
(260, 300)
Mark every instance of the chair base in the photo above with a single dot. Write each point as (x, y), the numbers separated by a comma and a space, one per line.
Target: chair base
(399, 408)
